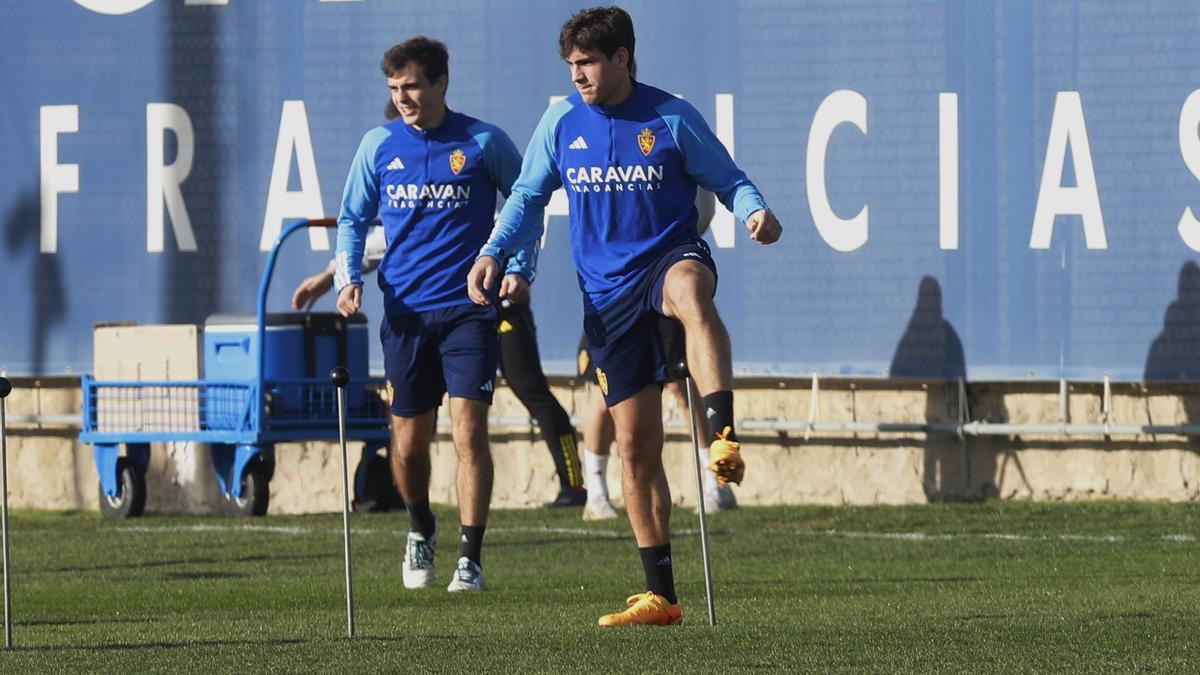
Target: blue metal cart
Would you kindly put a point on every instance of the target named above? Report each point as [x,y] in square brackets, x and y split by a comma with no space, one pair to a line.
[254,404]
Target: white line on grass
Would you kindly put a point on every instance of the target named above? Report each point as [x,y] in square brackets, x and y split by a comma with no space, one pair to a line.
[273,529]
[608,534]
[923,536]
[293,530]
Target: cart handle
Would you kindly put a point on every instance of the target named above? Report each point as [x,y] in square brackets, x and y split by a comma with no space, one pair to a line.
[264,287]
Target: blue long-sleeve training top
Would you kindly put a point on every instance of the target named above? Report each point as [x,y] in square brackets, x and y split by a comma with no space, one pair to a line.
[630,173]
[435,193]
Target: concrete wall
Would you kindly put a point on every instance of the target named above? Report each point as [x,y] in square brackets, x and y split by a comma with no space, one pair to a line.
[49,469]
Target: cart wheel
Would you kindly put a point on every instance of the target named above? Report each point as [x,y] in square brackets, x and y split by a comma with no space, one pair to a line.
[381,494]
[256,491]
[130,500]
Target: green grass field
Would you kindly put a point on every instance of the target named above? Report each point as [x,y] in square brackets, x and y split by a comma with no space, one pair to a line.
[960,587]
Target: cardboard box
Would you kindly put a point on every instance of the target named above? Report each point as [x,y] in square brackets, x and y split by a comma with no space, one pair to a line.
[132,353]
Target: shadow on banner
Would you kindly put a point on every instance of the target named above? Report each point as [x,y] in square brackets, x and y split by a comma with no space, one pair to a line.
[930,349]
[192,287]
[48,299]
[1175,353]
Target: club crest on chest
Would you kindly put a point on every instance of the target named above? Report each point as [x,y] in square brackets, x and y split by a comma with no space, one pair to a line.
[645,142]
[458,159]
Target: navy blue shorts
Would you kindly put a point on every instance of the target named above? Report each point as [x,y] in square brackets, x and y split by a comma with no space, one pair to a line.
[624,340]
[428,354]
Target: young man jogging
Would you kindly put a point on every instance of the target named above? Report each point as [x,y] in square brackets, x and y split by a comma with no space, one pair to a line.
[520,363]
[431,177]
[630,157]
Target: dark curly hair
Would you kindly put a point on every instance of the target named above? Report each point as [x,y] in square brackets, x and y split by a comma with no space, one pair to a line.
[604,29]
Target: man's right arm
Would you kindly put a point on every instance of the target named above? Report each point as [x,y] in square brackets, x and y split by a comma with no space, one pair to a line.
[539,178]
[360,205]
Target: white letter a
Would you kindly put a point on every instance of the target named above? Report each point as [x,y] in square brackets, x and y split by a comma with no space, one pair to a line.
[1067,128]
[305,203]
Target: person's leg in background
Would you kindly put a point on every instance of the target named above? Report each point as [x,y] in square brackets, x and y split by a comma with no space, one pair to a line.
[521,365]
[598,436]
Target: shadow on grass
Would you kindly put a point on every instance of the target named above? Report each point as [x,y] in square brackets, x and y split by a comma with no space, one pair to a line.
[76,622]
[189,644]
[202,576]
[853,586]
[138,565]
[122,646]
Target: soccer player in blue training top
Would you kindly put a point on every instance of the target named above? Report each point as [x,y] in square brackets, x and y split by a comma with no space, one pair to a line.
[520,363]
[431,176]
[630,157]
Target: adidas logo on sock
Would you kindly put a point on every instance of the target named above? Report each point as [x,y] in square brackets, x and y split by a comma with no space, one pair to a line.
[665,562]
[395,164]
[710,413]
[578,144]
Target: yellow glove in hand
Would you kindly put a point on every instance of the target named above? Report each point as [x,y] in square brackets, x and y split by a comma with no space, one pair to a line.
[724,459]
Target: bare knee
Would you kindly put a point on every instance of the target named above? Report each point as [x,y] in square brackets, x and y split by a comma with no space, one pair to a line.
[688,294]
[641,457]
[467,431]
[409,442]
[470,437]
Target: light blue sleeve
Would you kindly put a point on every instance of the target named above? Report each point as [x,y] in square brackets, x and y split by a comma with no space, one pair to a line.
[360,205]
[524,260]
[517,228]
[503,163]
[375,247]
[707,161]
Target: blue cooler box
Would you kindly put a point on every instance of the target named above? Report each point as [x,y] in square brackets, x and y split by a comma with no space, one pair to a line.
[299,345]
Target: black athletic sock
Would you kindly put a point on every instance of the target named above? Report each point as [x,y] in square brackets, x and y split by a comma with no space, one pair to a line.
[565,454]
[570,459]
[472,542]
[660,578]
[422,519]
[718,407]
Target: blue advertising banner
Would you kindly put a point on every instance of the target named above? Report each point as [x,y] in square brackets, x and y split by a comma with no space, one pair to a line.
[1000,190]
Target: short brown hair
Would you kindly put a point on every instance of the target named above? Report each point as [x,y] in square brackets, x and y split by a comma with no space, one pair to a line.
[431,54]
[605,29]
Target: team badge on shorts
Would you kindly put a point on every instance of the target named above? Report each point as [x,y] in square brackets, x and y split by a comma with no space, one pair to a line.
[458,159]
[603,380]
[646,142]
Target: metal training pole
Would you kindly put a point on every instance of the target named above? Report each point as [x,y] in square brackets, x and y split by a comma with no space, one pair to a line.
[708,585]
[340,377]
[5,389]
